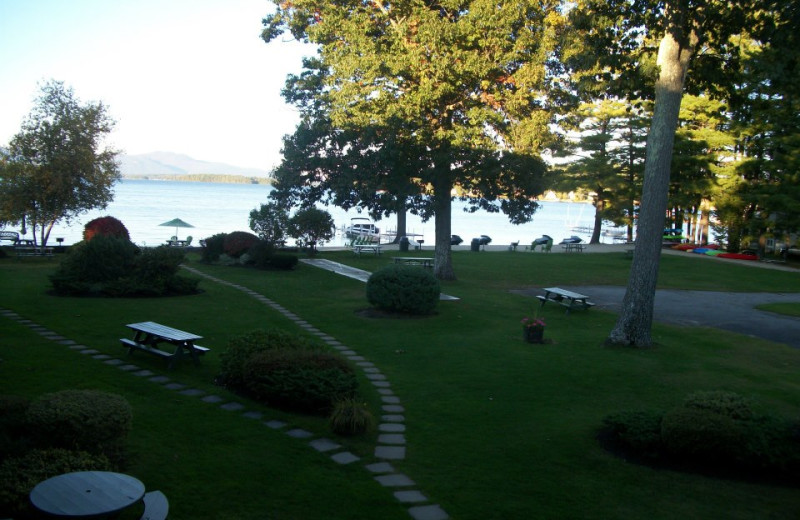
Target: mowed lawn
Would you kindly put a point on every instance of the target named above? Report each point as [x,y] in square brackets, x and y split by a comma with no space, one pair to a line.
[496,428]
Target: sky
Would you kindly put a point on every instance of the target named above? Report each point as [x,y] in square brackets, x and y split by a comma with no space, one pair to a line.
[184,76]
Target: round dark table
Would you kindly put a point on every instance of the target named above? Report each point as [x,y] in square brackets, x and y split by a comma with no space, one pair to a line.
[86,494]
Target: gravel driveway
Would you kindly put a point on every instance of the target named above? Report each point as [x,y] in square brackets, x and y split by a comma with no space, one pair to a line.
[723,310]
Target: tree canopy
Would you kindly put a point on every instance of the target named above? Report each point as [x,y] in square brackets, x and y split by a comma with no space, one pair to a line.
[462,82]
[56,167]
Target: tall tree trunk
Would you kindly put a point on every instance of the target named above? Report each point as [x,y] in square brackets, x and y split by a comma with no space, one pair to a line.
[442,188]
[401,221]
[598,222]
[635,321]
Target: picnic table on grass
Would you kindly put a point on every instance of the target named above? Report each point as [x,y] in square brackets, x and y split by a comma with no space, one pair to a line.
[570,300]
[573,247]
[148,335]
[87,494]
[408,260]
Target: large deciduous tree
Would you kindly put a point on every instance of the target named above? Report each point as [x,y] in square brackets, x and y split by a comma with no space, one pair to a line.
[461,81]
[56,167]
[632,41]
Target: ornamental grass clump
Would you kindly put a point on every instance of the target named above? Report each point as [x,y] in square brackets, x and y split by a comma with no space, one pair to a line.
[403,289]
[350,417]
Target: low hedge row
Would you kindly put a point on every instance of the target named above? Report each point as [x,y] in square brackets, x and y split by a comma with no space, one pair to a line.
[709,432]
[111,266]
[403,289]
[242,248]
[286,371]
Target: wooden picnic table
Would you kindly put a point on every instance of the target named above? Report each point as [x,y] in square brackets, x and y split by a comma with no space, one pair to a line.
[409,260]
[573,247]
[148,335]
[87,494]
[570,300]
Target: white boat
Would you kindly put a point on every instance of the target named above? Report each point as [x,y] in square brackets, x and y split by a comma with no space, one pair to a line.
[362,227]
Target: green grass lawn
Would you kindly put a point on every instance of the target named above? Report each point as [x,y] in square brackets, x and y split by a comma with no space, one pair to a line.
[496,428]
[789,309]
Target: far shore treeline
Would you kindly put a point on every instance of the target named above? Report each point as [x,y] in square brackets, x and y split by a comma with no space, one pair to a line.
[203,177]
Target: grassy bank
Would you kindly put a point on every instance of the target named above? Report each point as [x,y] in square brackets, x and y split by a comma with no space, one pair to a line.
[496,428]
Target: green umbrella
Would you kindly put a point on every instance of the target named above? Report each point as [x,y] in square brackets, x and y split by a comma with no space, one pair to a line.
[176,223]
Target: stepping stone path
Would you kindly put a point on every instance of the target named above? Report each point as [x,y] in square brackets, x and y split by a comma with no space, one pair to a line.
[391,440]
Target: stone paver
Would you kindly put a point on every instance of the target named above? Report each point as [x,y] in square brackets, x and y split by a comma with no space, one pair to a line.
[324,445]
[410,496]
[394,480]
[344,457]
[392,427]
[390,452]
[432,512]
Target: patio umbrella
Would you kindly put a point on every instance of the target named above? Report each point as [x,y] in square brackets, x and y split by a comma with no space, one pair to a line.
[176,223]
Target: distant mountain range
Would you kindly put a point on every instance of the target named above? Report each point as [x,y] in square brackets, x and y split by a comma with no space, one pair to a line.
[167,163]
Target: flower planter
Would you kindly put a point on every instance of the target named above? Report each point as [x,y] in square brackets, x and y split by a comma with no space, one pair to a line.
[533,334]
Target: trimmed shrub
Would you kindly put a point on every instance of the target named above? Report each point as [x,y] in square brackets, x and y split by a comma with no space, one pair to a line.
[244,346]
[213,247]
[20,474]
[283,261]
[299,380]
[87,420]
[13,433]
[398,288]
[116,267]
[726,403]
[260,254]
[238,243]
[636,432]
[105,226]
[88,264]
[702,436]
[350,417]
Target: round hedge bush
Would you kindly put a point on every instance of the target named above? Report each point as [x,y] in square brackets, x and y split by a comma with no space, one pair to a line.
[703,436]
[87,265]
[13,431]
[300,380]
[404,289]
[20,474]
[242,347]
[87,420]
[238,243]
[213,247]
[105,226]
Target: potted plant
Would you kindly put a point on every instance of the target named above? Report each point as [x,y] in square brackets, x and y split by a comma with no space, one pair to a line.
[533,329]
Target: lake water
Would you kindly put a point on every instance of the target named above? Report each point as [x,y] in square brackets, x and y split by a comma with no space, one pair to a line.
[221,208]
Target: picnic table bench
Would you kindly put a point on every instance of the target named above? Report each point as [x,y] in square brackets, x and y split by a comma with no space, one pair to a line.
[408,260]
[28,247]
[570,300]
[148,335]
[573,247]
[365,245]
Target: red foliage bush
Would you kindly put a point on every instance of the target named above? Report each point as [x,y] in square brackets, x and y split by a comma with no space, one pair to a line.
[106,226]
[238,243]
